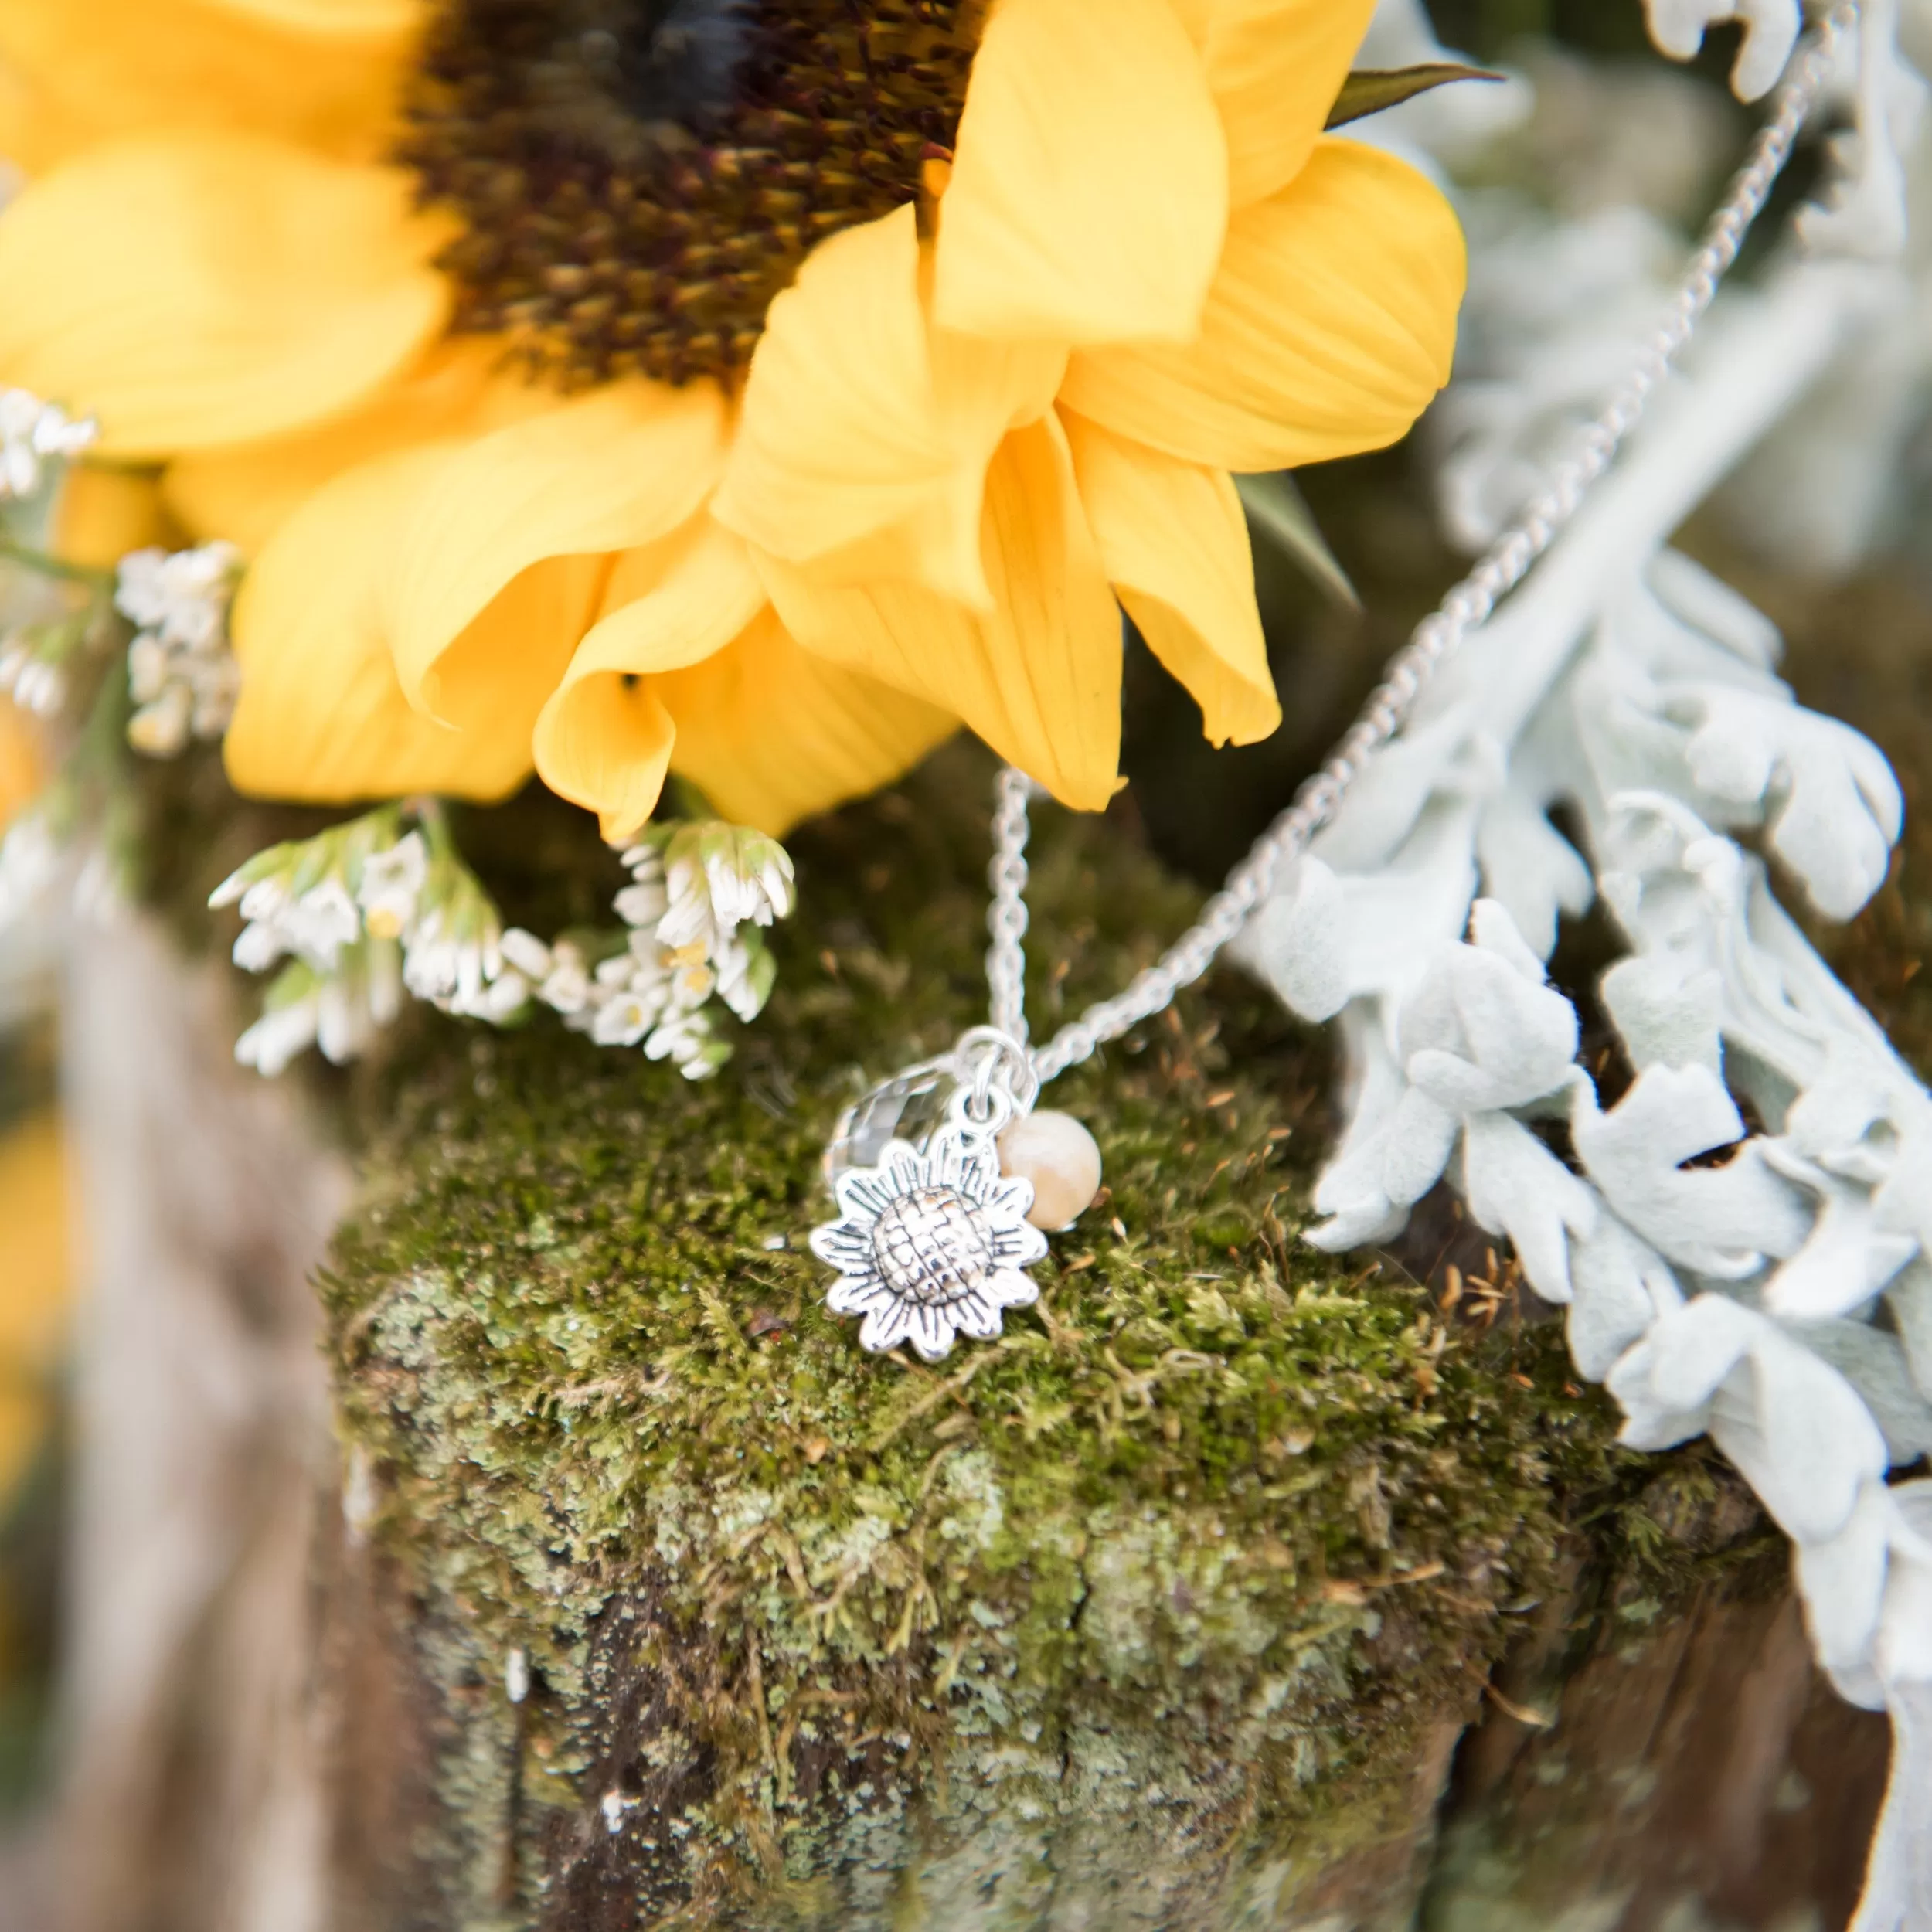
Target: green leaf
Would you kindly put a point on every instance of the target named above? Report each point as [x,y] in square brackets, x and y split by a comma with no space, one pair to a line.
[763,975]
[1369,90]
[1279,515]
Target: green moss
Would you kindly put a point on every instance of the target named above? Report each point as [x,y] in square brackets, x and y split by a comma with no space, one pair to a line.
[1146,1603]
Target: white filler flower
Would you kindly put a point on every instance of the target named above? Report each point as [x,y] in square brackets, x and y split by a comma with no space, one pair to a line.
[931,1244]
[32,434]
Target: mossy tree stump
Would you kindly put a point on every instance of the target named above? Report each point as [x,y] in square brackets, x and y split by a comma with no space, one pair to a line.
[1168,1610]
[1237,1587]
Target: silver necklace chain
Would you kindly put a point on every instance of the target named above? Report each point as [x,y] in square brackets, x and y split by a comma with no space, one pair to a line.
[1502,567]
[936,1228]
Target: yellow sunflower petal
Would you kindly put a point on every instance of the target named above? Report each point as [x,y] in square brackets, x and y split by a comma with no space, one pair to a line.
[105,513]
[603,473]
[1038,675]
[982,390]
[1275,67]
[500,670]
[1173,541]
[321,715]
[42,1267]
[1088,197]
[1331,324]
[837,432]
[604,740]
[771,733]
[860,419]
[245,494]
[75,72]
[198,289]
[328,19]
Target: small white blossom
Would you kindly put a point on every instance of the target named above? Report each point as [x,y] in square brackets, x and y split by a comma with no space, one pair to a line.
[445,970]
[36,682]
[624,1018]
[717,877]
[339,1012]
[179,597]
[526,952]
[41,689]
[147,661]
[257,946]
[162,727]
[690,918]
[314,925]
[503,999]
[692,979]
[368,912]
[686,1040]
[643,904]
[181,673]
[558,976]
[279,1036]
[453,943]
[323,920]
[344,1024]
[32,434]
[745,974]
[259,895]
[391,884]
[462,973]
[755,883]
[697,894]
[567,986]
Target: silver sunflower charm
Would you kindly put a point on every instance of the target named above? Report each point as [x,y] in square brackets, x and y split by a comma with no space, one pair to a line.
[931,1243]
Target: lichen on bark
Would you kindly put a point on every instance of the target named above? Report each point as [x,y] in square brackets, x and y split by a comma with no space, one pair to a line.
[1150,1609]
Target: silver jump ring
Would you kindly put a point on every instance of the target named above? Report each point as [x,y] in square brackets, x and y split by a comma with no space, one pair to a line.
[989,1112]
[992,1061]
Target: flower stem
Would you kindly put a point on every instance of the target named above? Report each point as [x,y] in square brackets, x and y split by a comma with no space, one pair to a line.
[428,813]
[53,566]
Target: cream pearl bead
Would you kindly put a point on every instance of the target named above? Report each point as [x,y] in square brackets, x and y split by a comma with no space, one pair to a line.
[1061,1159]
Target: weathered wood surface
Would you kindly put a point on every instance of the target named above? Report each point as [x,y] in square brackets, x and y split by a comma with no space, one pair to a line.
[1691,1772]
[192,1789]
[1698,1772]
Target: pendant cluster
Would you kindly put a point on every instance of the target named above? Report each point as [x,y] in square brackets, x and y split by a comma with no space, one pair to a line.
[931,1242]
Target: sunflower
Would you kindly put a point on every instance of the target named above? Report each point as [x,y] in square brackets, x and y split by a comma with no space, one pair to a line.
[747,388]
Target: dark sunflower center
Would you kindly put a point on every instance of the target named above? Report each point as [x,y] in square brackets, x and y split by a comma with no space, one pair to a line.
[638,178]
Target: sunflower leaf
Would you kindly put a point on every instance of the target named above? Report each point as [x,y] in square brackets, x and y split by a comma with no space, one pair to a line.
[1370,90]
[1279,515]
